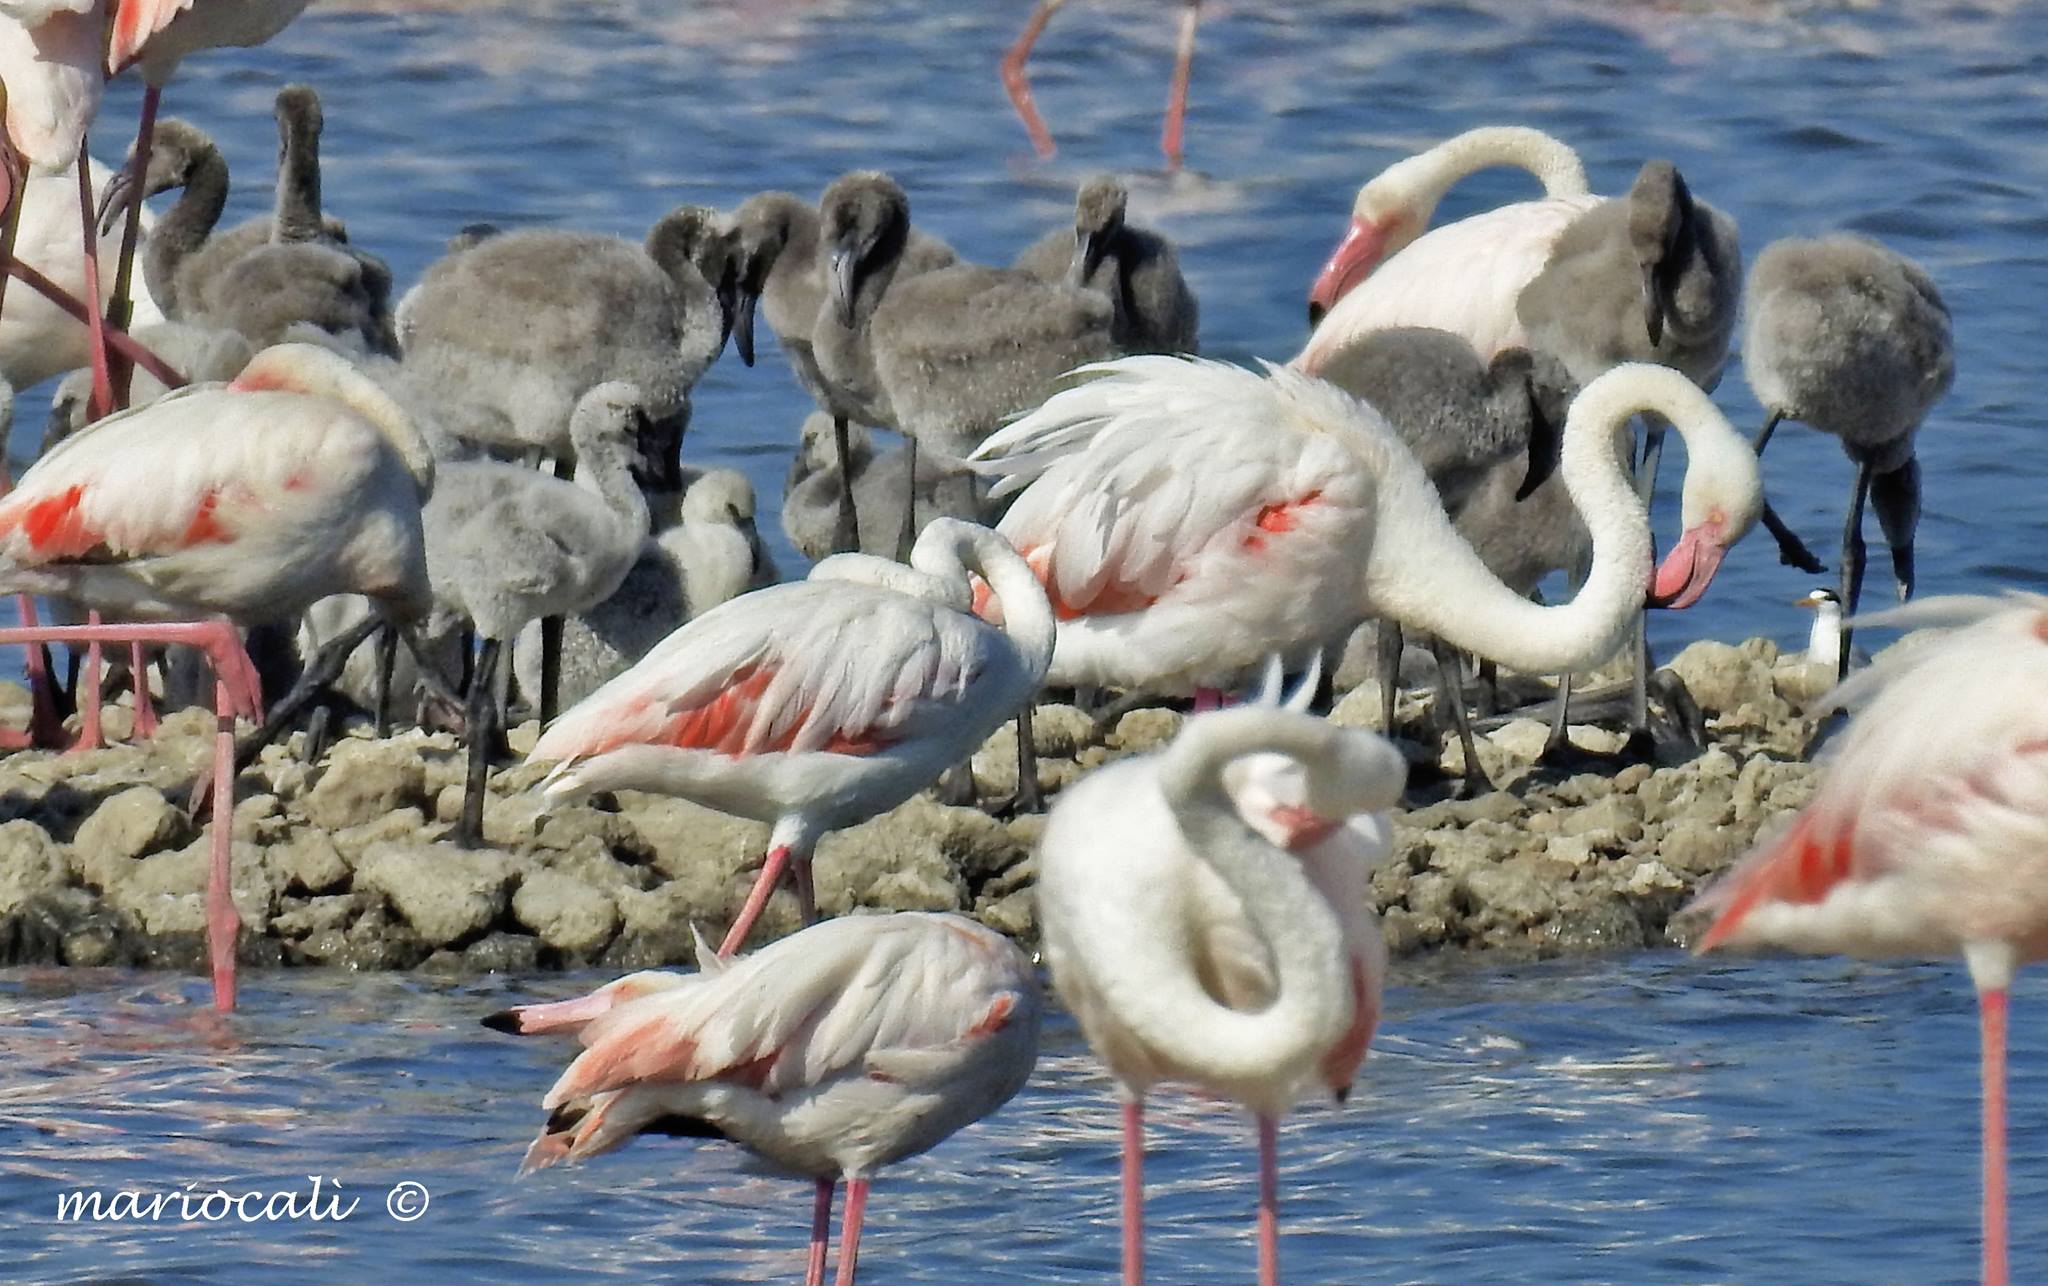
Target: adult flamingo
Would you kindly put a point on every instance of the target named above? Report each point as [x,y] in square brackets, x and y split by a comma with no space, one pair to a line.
[1018,83]
[1189,518]
[243,502]
[818,704]
[837,1050]
[1394,207]
[1927,835]
[1206,918]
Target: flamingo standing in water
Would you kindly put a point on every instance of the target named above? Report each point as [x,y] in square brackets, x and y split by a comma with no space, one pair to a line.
[244,503]
[1189,518]
[1207,919]
[1018,83]
[848,1046]
[818,704]
[1929,833]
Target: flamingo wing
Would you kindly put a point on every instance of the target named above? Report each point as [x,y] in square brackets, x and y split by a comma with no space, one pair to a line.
[135,21]
[1165,471]
[815,666]
[864,995]
[1463,277]
[49,61]
[1946,765]
[196,468]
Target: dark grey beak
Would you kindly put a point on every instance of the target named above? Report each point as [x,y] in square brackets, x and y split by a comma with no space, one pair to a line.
[728,309]
[1545,442]
[1089,248]
[1653,306]
[743,326]
[845,267]
[114,199]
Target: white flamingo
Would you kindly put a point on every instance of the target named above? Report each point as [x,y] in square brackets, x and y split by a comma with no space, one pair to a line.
[846,1047]
[1929,833]
[1189,518]
[818,704]
[1206,913]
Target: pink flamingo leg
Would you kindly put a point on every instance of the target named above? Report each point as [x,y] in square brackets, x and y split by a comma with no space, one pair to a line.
[102,379]
[1991,1013]
[44,728]
[849,1232]
[1019,85]
[757,897]
[1269,1201]
[223,923]
[119,340]
[1134,1192]
[89,736]
[120,309]
[1177,97]
[1207,699]
[821,1232]
[145,709]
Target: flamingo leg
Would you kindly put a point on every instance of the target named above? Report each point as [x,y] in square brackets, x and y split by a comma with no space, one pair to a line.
[117,339]
[1387,646]
[801,876]
[1018,84]
[479,726]
[45,726]
[1991,1013]
[1450,688]
[772,868]
[120,307]
[846,527]
[1133,1185]
[1792,551]
[849,1231]
[1177,96]
[821,1232]
[1269,1201]
[1207,699]
[145,709]
[387,660]
[906,536]
[89,735]
[102,402]
[223,923]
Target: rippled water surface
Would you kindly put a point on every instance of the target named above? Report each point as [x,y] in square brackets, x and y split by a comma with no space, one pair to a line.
[1649,1119]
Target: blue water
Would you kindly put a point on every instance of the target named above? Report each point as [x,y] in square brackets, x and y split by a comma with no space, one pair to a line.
[1645,1119]
[1648,1119]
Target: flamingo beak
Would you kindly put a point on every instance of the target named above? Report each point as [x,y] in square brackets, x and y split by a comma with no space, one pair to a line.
[743,326]
[1682,578]
[1301,828]
[1354,258]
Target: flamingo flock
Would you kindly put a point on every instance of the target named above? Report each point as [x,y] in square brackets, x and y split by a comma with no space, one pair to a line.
[1098,508]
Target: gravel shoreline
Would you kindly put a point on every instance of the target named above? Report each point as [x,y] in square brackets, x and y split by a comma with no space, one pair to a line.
[343,866]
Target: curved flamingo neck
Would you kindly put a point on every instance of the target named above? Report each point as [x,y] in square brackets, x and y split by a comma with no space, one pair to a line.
[185,227]
[1423,574]
[1026,612]
[1417,184]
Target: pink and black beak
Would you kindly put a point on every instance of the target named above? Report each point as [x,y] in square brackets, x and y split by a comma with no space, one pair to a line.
[1302,827]
[1682,578]
[1350,263]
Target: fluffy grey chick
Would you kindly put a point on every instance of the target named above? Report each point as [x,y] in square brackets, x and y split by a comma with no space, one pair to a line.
[810,502]
[202,354]
[1137,268]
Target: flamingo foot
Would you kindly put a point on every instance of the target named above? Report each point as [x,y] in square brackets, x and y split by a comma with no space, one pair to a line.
[146,722]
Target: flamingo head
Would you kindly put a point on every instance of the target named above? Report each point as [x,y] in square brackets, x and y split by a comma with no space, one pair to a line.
[1298,805]
[1682,578]
[1390,211]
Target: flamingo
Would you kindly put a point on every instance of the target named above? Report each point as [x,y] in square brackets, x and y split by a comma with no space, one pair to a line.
[1156,310]
[1394,207]
[1017,83]
[243,502]
[1929,832]
[846,1047]
[1853,339]
[817,704]
[1188,518]
[1206,917]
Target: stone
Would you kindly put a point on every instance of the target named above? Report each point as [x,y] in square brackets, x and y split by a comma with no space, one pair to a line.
[689,839]
[166,892]
[1513,894]
[407,825]
[1651,876]
[889,862]
[502,953]
[1603,922]
[1061,731]
[1698,847]
[1721,677]
[308,862]
[1014,914]
[1521,739]
[447,894]
[654,927]
[565,913]
[30,863]
[364,780]
[1142,730]
[304,917]
[133,823]
[65,926]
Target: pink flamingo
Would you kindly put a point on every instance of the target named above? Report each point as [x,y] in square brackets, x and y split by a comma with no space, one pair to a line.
[1017,82]
[247,501]
[846,1047]
[1929,834]
[1189,518]
[1206,914]
[818,704]
[1503,248]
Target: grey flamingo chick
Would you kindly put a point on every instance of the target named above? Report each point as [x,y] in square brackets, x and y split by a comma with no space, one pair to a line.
[507,544]
[202,354]
[817,485]
[779,270]
[1852,339]
[514,330]
[1136,267]
[956,351]
[710,554]
[1467,422]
